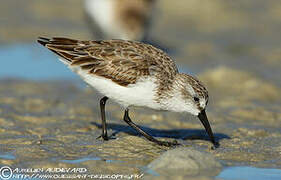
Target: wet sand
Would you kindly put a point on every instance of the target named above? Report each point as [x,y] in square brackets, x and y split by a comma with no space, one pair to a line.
[56,124]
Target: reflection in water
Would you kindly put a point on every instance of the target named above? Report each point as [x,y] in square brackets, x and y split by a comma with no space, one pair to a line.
[249,173]
[76,161]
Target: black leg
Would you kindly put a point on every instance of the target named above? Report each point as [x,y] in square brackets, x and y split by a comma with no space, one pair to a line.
[128,120]
[102,109]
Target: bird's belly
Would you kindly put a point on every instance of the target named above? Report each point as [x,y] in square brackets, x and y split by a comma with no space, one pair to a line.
[141,93]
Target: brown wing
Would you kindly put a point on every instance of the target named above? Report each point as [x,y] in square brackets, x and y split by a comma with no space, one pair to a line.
[121,61]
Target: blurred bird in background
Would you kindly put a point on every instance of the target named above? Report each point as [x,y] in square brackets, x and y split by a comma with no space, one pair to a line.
[119,19]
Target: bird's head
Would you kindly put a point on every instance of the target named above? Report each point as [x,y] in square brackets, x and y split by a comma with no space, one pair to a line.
[193,98]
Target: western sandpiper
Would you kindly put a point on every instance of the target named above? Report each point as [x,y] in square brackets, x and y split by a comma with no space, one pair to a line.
[133,74]
[119,19]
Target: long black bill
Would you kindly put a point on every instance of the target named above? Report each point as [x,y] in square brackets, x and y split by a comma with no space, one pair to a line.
[204,120]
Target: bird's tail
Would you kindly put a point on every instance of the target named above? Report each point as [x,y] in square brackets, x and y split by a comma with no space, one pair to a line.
[63,47]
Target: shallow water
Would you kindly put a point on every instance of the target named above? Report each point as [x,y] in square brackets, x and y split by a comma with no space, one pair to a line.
[9,156]
[249,173]
[33,62]
[75,161]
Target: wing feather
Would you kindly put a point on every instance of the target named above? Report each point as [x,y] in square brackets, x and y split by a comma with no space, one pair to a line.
[121,61]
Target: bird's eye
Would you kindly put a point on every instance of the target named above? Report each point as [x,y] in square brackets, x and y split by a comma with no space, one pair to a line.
[196,99]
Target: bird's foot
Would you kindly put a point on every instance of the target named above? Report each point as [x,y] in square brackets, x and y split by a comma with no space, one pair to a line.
[105,137]
[215,145]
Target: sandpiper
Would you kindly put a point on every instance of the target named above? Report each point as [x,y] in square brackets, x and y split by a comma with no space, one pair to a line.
[133,74]
[119,19]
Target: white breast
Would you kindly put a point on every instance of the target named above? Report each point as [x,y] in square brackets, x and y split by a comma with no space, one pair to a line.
[141,93]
